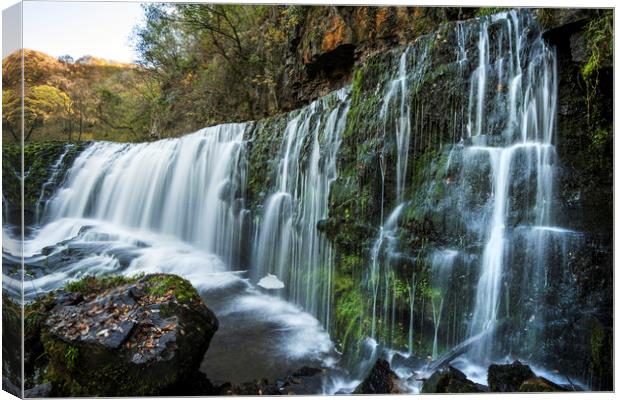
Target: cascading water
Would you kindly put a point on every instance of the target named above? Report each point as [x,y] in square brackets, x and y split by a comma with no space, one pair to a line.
[523,155]
[441,262]
[396,116]
[508,140]
[289,244]
[55,170]
[178,206]
[183,206]
[190,188]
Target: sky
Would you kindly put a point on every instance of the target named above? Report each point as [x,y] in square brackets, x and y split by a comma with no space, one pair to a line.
[100,29]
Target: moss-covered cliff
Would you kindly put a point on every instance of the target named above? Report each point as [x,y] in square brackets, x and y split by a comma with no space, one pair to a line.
[442,199]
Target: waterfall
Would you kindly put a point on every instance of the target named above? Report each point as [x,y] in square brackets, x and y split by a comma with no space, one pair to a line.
[522,155]
[397,120]
[465,244]
[441,265]
[289,244]
[190,188]
[502,172]
[54,170]
[399,90]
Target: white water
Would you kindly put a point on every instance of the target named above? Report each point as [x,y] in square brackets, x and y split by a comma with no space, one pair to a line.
[441,263]
[396,116]
[189,188]
[510,137]
[176,206]
[289,245]
[55,170]
[527,138]
[401,123]
[379,275]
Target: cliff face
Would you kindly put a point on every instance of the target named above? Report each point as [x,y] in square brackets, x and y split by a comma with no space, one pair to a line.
[446,198]
[330,41]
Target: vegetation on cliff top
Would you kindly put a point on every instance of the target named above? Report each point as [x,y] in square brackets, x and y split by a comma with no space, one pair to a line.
[202,64]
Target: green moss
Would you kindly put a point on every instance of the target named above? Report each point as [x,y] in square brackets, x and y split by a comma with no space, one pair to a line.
[160,285]
[356,85]
[599,35]
[485,11]
[426,290]
[601,136]
[92,284]
[155,285]
[401,289]
[71,355]
[545,17]
[349,311]
[349,262]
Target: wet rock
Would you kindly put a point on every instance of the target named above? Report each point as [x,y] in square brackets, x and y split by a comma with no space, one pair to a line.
[539,384]
[560,20]
[126,337]
[450,380]
[508,377]
[256,388]
[195,384]
[305,381]
[411,362]
[380,380]
[10,387]
[42,390]
[579,48]
[331,40]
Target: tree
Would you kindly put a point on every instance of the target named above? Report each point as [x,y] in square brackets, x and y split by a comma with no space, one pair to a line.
[209,63]
[66,59]
[83,109]
[42,103]
[11,113]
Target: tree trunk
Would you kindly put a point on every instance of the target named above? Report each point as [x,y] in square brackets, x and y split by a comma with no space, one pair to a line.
[70,128]
[81,127]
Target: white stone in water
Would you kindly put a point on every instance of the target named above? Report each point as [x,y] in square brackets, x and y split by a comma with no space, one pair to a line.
[271,281]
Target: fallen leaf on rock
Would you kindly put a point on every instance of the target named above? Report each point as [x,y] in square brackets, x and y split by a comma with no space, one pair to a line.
[170,326]
[104,333]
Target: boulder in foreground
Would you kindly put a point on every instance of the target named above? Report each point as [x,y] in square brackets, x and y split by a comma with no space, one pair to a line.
[125,337]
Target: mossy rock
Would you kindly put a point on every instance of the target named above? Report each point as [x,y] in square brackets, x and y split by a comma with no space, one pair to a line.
[11,346]
[449,380]
[539,384]
[380,380]
[123,336]
[508,377]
